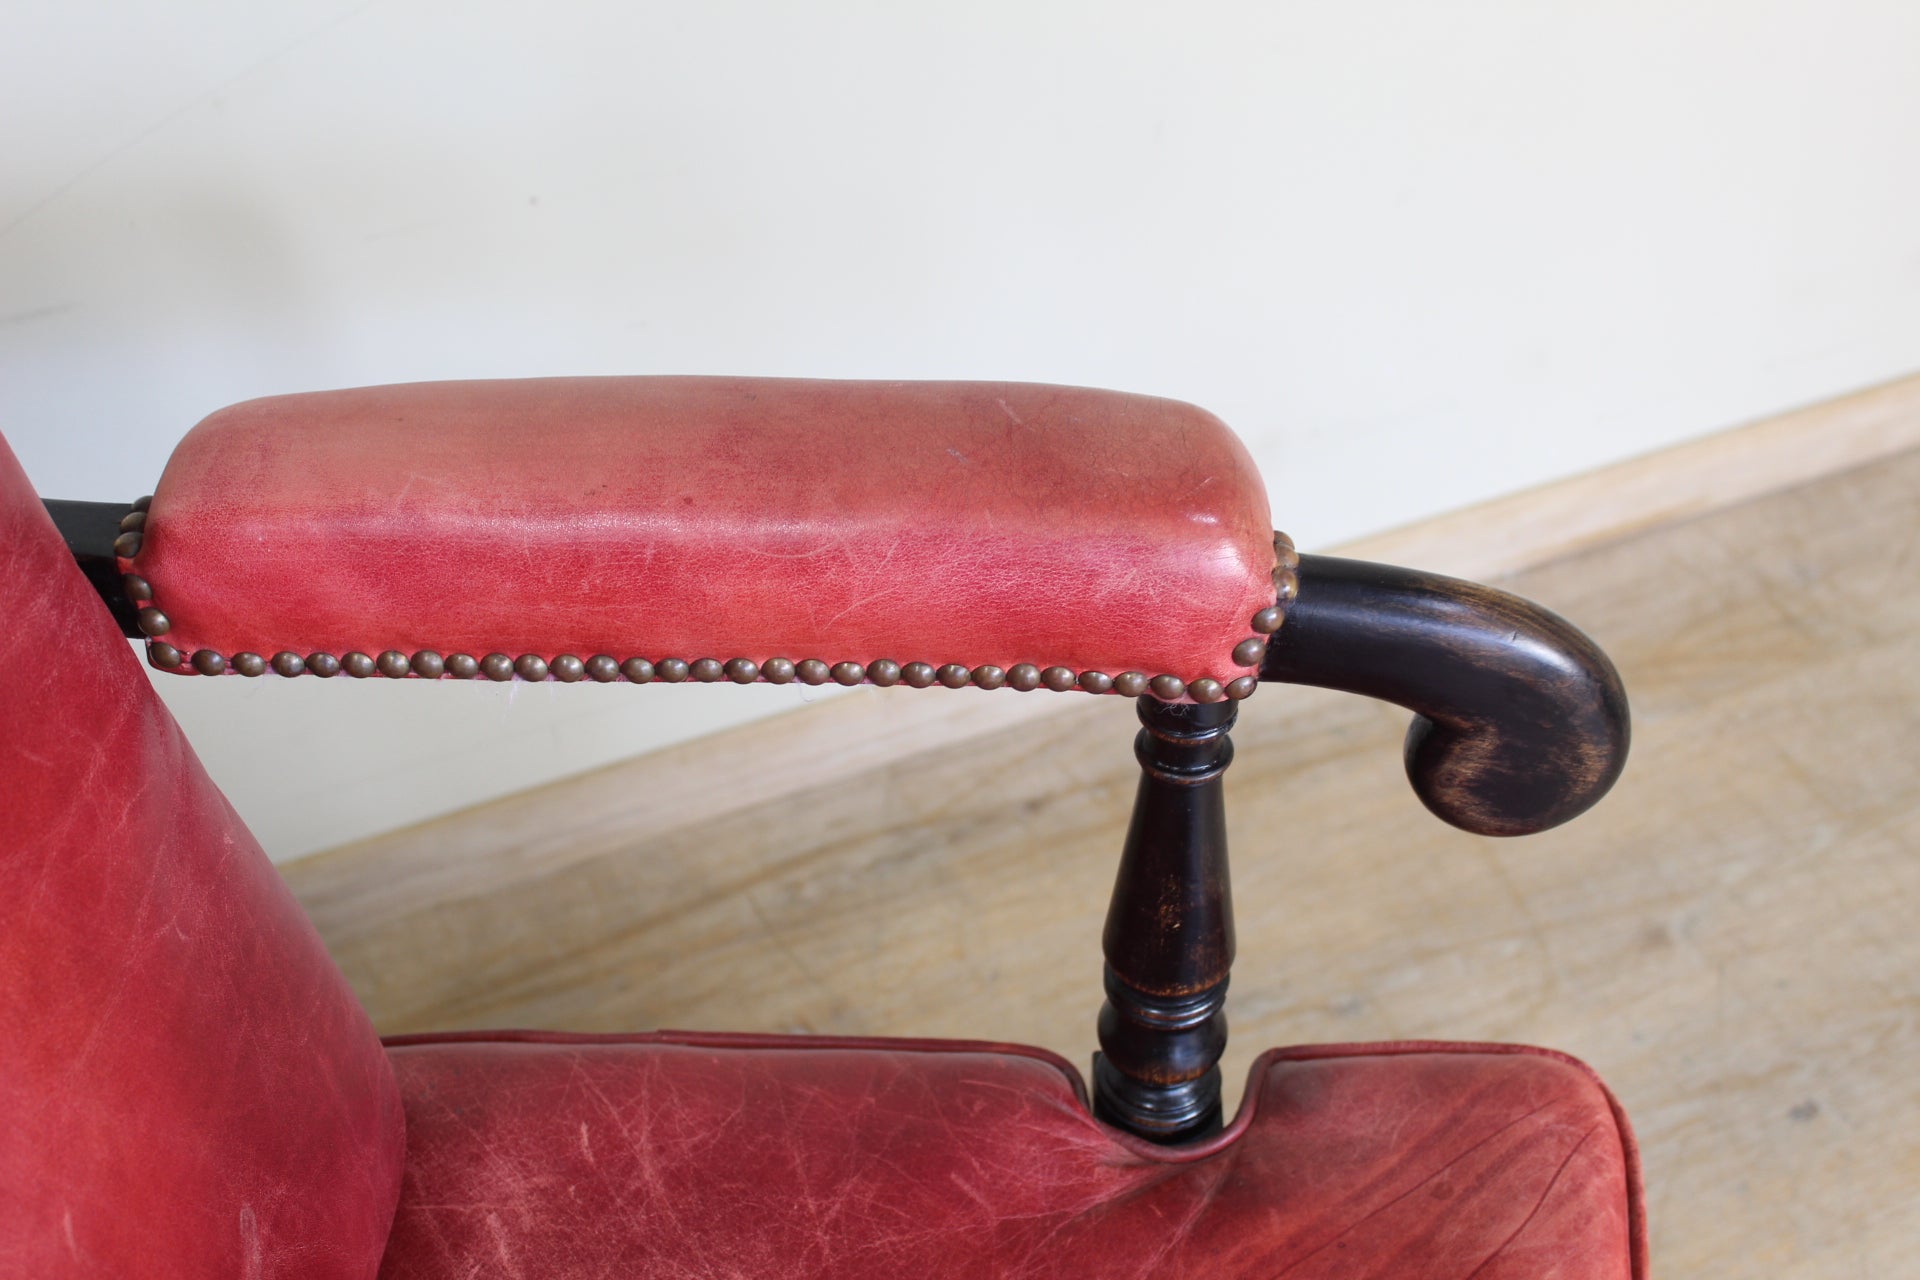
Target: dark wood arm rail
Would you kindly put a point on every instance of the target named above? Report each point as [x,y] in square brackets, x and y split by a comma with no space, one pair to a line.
[1520,721]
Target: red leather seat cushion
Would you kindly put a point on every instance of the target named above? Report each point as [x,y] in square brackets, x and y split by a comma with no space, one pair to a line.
[551,1156]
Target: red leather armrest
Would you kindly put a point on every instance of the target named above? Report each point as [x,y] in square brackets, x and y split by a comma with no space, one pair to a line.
[714,528]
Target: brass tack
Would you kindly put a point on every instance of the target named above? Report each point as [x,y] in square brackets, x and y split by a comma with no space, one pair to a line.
[1249,652]
[603,668]
[1286,585]
[1286,557]
[883,672]
[1242,687]
[497,666]
[163,655]
[358,665]
[777,670]
[672,670]
[1281,540]
[1095,681]
[324,665]
[428,665]
[1023,676]
[286,663]
[462,666]
[249,664]
[393,665]
[989,676]
[954,676]
[127,545]
[152,622]
[1268,620]
[742,670]
[137,587]
[813,671]
[917,675]
[1058,679]
[1206,689]
[530,667]
[208,663]
[706,670]
[1167,688]
[567,668]
[638,670]
[1130,684]
[133,521]
[142,503]
[848,673]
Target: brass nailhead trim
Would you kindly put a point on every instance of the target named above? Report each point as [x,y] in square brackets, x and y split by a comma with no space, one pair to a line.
[143,502]
[602,668]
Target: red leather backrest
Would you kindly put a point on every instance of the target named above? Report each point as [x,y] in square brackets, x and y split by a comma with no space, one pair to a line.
[188,1088]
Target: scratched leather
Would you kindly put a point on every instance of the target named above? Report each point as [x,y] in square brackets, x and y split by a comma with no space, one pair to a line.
[188,1089]
[971,523]
[693,1156]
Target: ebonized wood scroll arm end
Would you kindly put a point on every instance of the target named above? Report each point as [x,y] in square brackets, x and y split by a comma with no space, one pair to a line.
[1520,721]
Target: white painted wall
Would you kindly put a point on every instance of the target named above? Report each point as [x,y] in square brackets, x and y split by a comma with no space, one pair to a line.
[1418,254]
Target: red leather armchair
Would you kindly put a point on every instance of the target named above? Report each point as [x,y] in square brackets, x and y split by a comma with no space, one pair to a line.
[189,1089]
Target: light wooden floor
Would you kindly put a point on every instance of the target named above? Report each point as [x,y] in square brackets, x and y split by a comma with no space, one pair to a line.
[1732,938]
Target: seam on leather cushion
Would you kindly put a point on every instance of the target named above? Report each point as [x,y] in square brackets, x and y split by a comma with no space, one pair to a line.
[748,1040]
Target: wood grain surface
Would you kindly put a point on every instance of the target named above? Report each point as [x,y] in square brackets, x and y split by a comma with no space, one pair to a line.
[1732,937]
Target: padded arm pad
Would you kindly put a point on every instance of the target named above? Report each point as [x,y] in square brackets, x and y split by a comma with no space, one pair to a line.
[714,528]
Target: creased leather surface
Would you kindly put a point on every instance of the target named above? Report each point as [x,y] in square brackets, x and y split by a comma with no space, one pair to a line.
[725,1156]
[188,1089]
[970,523]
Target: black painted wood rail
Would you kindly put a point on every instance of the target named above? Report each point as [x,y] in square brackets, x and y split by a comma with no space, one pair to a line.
[1520,723]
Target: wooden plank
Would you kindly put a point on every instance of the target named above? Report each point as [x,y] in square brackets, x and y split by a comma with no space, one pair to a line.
[1728,937]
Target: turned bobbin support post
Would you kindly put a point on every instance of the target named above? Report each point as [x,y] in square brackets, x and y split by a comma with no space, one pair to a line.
[1169,933]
